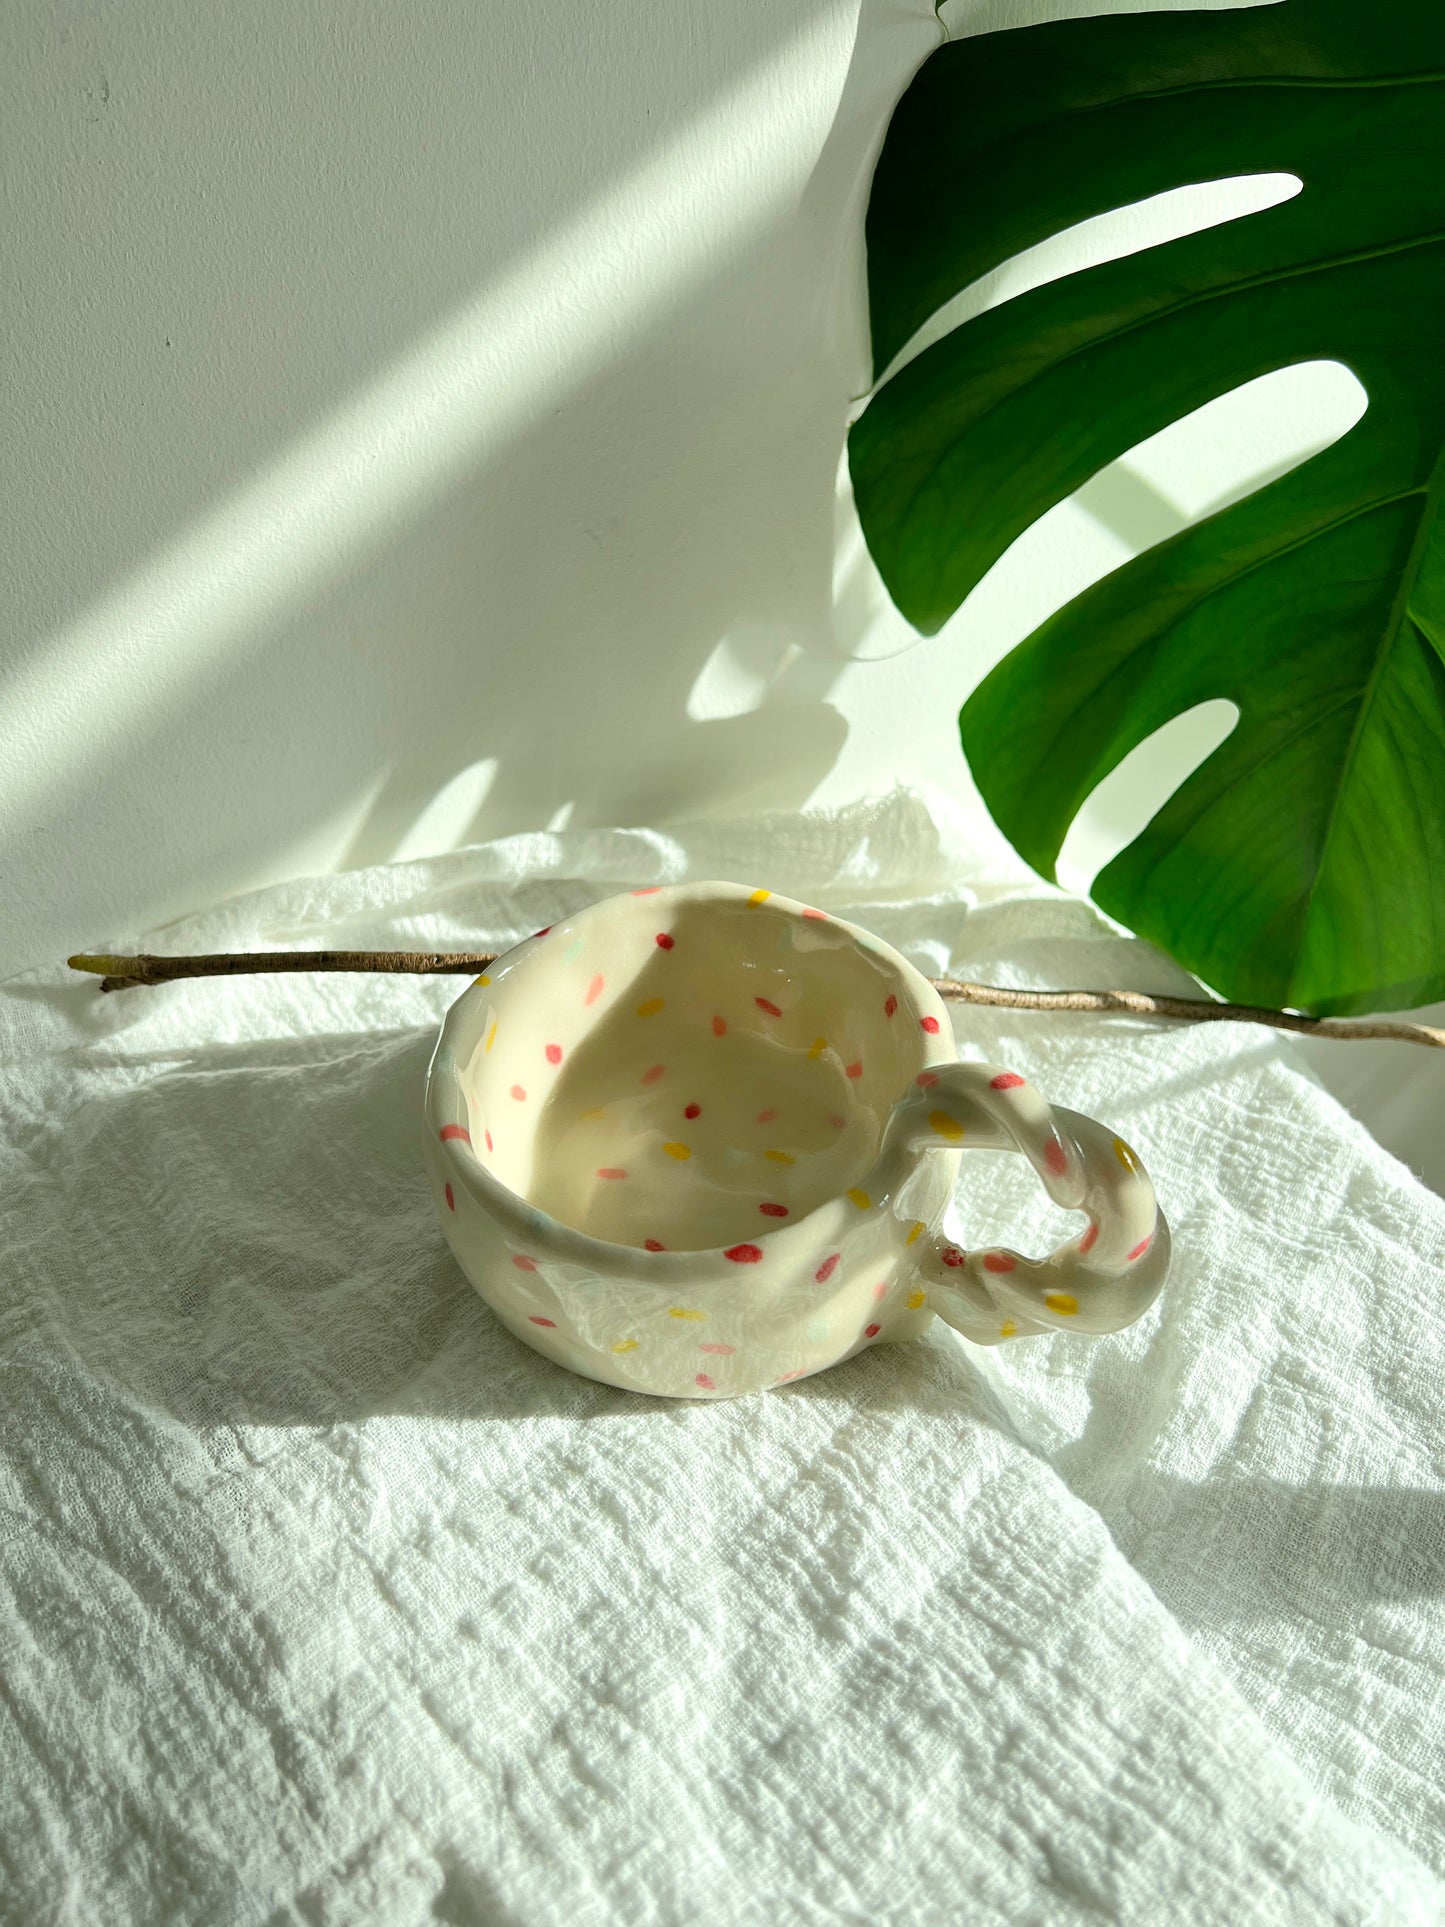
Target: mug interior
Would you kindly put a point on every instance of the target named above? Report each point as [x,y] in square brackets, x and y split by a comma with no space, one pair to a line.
[688,1069]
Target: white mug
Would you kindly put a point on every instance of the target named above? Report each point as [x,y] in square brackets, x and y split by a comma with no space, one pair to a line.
[698,1141]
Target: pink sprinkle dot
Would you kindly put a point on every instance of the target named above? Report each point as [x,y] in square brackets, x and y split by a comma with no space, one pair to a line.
[787,1375]
[743,1254]
[534,1320]
[651,1077]
[610,1171]
[652,1245]
[594,991]
[1005,1081]
[664,941]
[890,1006]
[1086,1243]
[705,1382]
[880,1291]
[1139,1250]
[766,1117]
[926,1080]
[827,1268]
[763,1003]
[952,1257]
[720,1351]
[998,1261]
[855,1069]
[554,1053]
[719,1026]
[818,916]
[693,1110]
[837,1120]
[450,1131]
[451,1201]
[773,1210]
[519,1094]
[930,1024]
[490,1145]
[650,891]
[523,1262]
[1056,1157]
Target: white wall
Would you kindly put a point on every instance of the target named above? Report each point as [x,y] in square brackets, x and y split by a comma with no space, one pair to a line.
[424,423]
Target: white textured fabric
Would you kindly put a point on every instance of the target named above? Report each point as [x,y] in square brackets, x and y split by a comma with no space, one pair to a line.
[323,1600]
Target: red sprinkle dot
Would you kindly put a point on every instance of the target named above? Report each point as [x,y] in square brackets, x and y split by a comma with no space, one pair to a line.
[1086,1243]
[650,891]
[827,1268]
[533,1319]
[764,1004]
[652,1245]
[952,1257]
[651,1077]
[773,1210]
[1056,1157]
[542,932]
[930,1024]
[449,1131]
[743,1254]
[594,991]
[523,1262]
[451,1201]
[997,1261]
[664,941]
[1005,1081]
[611,1171]
[554,1053]
[855,1069]
[519,1094]
[693,1110]
[766,1117]
[871,1331]
[489,1140]
[890,1006]
[1139,1250]
[926,1080]
[719,1026]
[705,1382]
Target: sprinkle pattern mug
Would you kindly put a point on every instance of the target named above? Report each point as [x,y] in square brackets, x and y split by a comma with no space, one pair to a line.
[698,1141]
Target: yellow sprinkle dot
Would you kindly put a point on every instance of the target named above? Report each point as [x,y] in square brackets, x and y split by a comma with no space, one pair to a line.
[780,1157]
[916,1233]
[760,896]
[681,1311]
[1063,1302]
[945,1125]
[650,1007]
[860,1198]
[492,1035]
[591,1117]
[678,1151]
[818,1046]
[915,1299]
[1007,1330]
[481,980]
[1125,1156]
[625,1345]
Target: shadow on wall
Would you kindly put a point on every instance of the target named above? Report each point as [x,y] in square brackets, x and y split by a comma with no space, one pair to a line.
[546,620]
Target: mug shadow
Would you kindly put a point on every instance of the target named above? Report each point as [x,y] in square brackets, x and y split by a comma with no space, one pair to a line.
[298,1274]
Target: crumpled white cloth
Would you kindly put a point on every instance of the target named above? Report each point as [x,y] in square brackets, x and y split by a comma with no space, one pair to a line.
[323,1600]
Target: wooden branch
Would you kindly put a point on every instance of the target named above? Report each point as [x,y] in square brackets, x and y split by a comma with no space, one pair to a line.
[120,973]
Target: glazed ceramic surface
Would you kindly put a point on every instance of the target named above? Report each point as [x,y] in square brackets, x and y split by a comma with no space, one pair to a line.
[699,1141]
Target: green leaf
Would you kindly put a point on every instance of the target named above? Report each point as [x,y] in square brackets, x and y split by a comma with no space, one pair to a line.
[1303,863]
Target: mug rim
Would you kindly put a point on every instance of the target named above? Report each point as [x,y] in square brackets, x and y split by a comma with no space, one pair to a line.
[445,1107]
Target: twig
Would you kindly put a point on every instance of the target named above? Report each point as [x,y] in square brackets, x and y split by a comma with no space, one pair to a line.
[120,973]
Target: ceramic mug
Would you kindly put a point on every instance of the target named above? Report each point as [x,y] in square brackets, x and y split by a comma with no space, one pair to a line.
[699,1141]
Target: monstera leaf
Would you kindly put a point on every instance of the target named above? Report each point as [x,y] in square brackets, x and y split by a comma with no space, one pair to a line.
[1303,863]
